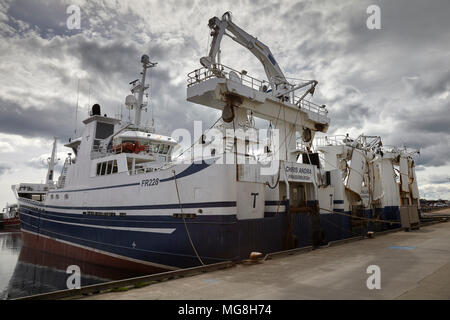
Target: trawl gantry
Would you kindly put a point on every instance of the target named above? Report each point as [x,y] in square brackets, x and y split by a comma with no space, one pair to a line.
[368,179]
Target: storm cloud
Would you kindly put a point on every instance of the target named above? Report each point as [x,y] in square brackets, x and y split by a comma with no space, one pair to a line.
[439,179]
[34,122]
[4,168]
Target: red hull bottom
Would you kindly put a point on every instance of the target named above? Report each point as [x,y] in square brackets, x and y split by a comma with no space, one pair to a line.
[10,223]
[91,260]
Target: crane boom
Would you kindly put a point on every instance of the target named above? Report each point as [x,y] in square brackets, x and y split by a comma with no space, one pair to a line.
[218,27]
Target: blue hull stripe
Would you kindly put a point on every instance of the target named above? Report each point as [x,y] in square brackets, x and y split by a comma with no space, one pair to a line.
[193,168]
[217,204]
[196,205]
[275,203]
[99,226]
[127,221]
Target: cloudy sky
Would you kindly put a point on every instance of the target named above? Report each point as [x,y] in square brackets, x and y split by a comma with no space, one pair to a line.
[393,82]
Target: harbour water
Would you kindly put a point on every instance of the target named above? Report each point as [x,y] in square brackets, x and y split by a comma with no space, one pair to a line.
[25,271]
[10,245]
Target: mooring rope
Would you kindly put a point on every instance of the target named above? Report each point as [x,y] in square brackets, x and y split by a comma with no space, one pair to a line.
[343,229]
[278,179]
[363,218]
[184,220]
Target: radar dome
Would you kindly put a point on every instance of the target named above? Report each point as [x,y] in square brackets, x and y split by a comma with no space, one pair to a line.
[96,110]
[130,101]
[145,59]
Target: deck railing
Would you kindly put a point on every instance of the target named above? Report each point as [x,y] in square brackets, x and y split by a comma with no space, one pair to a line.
[337,140]
[220,71]
[141,170]
[321,111]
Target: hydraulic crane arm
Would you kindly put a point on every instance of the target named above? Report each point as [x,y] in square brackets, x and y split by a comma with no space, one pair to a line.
[260,50]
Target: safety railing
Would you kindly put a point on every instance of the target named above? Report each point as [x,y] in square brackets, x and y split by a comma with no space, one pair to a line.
[336,140]
[220,71]
[33,188]
[321,111]
[159,166]
[99,151]
[141,170]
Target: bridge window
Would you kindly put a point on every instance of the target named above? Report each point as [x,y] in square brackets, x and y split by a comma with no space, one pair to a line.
[103,130]
[115,168]
[153,148]
[103,169]
[107,167]
[164,148]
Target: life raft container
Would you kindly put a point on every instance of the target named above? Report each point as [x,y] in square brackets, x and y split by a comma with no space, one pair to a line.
[129,147]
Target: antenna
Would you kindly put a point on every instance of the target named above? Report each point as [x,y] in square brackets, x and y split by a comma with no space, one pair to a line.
[51,164]
[148,102]
[153,119]
[76,110]
[141,87]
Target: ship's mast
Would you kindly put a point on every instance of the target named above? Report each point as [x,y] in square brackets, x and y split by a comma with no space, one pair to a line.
[141,87]
[51,165]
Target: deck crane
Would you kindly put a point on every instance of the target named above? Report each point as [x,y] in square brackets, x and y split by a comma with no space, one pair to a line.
[275,76]
[239,95]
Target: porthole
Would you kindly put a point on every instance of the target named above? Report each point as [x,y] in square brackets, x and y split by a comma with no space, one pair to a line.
[66,196]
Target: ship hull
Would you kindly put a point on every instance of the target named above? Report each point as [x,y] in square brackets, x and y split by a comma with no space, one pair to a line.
[161,243]
[160,240]
[87,254]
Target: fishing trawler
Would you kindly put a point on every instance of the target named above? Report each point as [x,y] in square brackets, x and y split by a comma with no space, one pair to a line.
[125,200]
[9,217]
